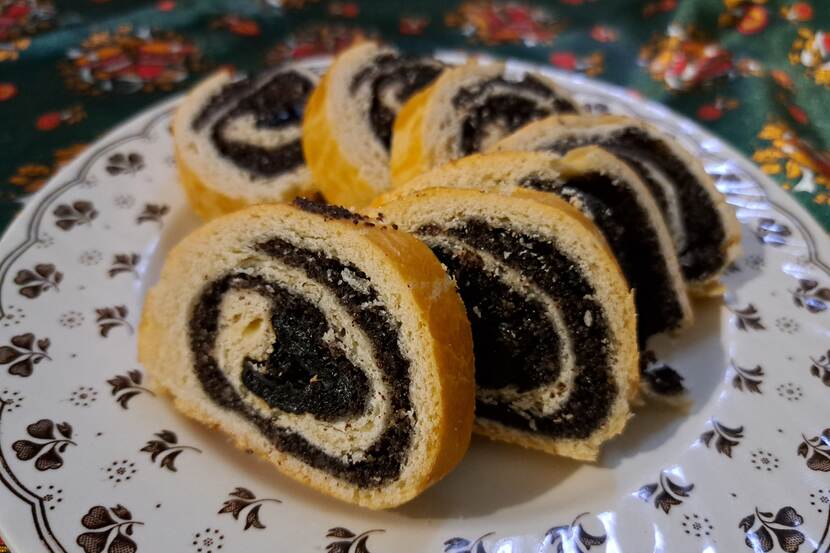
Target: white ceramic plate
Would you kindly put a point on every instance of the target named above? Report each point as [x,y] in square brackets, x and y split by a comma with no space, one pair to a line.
[746,467]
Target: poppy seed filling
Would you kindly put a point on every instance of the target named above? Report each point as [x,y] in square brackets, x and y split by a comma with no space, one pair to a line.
[392,78]
[539,261]
[614,208]
[275,104]
[305,375]
[508,104]
[704,232]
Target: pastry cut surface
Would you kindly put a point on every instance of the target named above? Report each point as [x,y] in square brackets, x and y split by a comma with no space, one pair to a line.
[330,344]
[704,229]
[237,140]
[348,124]
[553,320]
[606,191]
[466,110]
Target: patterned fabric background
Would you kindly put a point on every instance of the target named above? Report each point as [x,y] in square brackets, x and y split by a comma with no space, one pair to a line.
[757,72]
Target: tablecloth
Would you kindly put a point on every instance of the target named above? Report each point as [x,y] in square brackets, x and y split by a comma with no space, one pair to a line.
[756,72]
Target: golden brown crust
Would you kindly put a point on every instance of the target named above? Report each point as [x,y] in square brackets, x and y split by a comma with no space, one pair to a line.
[339,181]
[408,155]
[424,289]
[205,201]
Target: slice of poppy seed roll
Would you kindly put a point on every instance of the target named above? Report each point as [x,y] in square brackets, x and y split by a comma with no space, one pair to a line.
[611,195]
[466,110]
[553,320]
[348,122]
[704,228]
[237,140]
[332,345]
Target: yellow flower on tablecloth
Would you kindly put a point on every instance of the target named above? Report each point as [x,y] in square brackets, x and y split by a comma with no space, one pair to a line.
[10,51]
[771,168]
[32,176]
[803,167]
[811,49]
[768,155]
[748,17]
[793,170]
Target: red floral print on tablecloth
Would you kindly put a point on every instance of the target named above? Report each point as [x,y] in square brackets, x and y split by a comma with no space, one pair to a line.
[493,22]
[290,4]
[53,119]
[7,91]
[24,18]
[683,60]
[716,109]
[798,12]
[19,21]
[237,25]
[604,33]
[344,9]
[413,25]
[316,40]
[129,60]
[592,64]
[659,6]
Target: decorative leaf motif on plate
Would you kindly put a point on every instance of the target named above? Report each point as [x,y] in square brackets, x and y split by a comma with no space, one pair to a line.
[747,318]
[817,451]
[821,368]
[127,386]
[80,213]
[574,538]
[748,380]
[349,542]
[763,530]
[463,545]
[725,437]
[46,447]
[810,296]
[23,353]
[665,493]
[152,213]
[166,449]
[121,164]
[242,499]
[42,278]
[124,263]
[769,231]
[112,317]
[111,530]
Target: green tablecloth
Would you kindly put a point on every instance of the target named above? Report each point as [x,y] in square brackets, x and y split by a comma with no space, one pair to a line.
[756,72]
